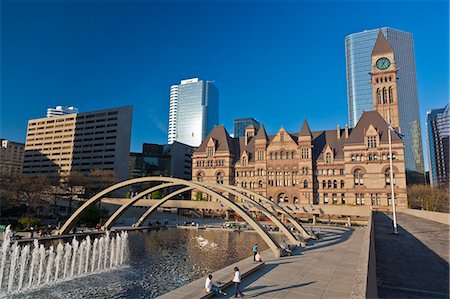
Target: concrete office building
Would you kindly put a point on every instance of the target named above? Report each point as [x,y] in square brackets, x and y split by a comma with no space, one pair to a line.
[240,124]
[11,157]
[170,160]
[358,49]
[61,110]
[79,142]
[438,133]
[193,112]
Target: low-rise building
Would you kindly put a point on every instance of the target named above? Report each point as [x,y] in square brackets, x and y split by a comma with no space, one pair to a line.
[11,157]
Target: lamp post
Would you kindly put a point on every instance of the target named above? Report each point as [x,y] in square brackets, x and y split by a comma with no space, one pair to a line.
[394,214]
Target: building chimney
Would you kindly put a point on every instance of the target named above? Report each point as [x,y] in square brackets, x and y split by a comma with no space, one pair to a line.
[338,132]
[346,131]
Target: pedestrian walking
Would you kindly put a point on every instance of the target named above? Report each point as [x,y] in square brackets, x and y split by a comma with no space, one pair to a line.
[237,283]
[255,251]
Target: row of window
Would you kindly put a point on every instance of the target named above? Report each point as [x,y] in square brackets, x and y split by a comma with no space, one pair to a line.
[371,157]
[330,171]
[382,95]
[210,163]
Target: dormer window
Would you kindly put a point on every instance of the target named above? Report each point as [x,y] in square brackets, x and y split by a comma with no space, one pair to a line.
[210,151]
[371,141]
[328,158]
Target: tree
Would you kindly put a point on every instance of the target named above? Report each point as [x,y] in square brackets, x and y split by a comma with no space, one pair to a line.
[31,190]
[98,180]
[428,198]
[156,194]
[199,196]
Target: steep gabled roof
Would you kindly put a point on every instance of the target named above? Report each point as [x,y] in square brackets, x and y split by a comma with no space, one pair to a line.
[377,121]
[382,46]
[305,131]
[223,139]
[261,133]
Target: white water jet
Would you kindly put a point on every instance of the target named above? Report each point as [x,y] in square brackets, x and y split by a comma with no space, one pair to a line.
[23,264]
[32,266]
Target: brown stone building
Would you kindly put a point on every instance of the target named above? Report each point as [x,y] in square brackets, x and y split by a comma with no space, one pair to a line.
[341,166]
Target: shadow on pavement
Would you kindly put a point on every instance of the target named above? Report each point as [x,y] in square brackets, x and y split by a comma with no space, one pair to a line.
[407,268]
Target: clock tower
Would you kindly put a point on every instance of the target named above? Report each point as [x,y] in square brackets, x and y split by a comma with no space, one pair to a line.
[384,81]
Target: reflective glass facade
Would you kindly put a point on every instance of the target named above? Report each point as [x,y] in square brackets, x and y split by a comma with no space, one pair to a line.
[358,50]
[240,124]
[197,112]
[438,134]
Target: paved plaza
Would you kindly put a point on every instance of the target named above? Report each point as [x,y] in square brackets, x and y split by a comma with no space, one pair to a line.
[414,263]
[325,269]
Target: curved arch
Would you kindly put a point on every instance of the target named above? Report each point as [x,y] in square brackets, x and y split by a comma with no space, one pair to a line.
[266,212]
[154,207]
[133,200]
[271,242]
[278,208]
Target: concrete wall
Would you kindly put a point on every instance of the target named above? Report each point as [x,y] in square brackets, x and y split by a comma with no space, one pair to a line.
[365,284]
[434,216]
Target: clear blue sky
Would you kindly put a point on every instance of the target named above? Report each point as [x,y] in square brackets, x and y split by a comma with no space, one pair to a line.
[278,62]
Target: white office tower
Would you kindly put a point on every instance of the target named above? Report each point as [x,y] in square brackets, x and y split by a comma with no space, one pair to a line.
[173,114]
[61,110]
[194,111]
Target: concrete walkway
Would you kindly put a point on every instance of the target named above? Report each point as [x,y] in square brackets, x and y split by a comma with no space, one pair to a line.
[414,263]
[325,269]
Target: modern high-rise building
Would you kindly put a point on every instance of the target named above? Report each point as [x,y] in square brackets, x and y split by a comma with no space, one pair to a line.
[79,142]
[61,110]
[194,111]
[11,157]
[438,133]
[358,48]
[174,160]
[240,124]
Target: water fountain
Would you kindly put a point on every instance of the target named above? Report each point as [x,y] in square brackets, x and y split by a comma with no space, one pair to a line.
[29,267]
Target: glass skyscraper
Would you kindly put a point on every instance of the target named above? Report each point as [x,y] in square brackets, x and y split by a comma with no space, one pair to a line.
[438,134]
[240,124]
[358,50]
[194,111]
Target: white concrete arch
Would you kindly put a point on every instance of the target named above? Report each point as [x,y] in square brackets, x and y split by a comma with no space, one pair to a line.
[271,242]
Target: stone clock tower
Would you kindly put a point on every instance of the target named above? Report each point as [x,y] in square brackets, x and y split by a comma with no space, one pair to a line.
[384,81]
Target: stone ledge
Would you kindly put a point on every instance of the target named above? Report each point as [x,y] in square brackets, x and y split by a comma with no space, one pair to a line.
[196,289]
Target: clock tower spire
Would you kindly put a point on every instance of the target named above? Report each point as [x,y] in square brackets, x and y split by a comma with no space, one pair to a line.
[384,81]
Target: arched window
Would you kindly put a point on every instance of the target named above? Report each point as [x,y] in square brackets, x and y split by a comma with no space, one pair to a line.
[391,97]
[293,155]
[342,184]
[328,158]
[378,95]
[358,177]
[387,177]
[324,184]
[370,157]
[219,178]
[384,95]
[306,170]
[305,184]
[282,155]
[377,80]
[276,155]
[200,176]
[271,156]
[260,184]
[244,161]
[335,184]
[329,183]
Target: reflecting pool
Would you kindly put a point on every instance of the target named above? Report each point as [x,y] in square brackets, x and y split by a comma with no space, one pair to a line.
[159,261]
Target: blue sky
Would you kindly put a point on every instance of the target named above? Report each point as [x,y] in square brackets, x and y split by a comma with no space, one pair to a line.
[276,61]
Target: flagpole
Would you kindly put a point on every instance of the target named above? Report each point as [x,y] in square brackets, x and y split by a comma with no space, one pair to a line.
[391,173]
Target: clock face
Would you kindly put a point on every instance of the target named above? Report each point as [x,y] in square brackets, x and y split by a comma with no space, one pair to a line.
[382,63]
